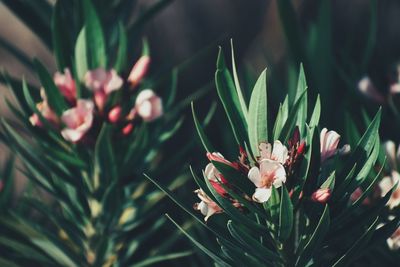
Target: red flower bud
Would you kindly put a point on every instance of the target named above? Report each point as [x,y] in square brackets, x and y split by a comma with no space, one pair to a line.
[115,114]
[321,195]
[301,149]
[127,129]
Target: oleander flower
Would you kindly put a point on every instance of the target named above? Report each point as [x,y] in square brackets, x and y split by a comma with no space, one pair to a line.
[329,141]
[139,71]
[45,110]
[78,120]
[269,173]
[392,155]
[102,83]
[66,85]
[115,114]
[148,105]
[321,195]
[386,184]
[207,206]
[213,175]
[367,88]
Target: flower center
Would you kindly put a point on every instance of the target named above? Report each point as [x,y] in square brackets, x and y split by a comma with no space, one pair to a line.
[267,179]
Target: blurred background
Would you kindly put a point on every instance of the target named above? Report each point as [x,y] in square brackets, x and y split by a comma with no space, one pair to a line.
[339,42]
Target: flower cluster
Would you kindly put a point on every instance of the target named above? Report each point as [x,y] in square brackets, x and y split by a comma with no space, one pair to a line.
[102,85]
[272,167]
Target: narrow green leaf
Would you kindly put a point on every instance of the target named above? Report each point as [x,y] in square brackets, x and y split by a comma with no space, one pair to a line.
[95,42]
[290,123]
[258,122]
[301,89]
[230,100]
[81,58]
[120,62]
[204,140]
[237,85]
[285,215]
[315,239]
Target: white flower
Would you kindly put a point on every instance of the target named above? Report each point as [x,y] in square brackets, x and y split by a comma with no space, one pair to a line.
[207,206]
[270,173]
[277,152]
[386,184]
[78,120]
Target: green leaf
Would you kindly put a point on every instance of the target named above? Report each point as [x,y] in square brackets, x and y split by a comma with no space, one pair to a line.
[204,140]
[290,123]
[301,89]
[315,240]
[95,43]
[258,122]
[358,246]
[120,62]
[213,256]
[81,58]
[105,164]
[242,101]
[54,96]
[230,100]
[252,245]
[330,182]
[281,118]
[316,113]
[285,215]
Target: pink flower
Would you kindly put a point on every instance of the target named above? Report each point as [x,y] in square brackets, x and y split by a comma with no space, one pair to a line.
[321,195]
[78,120]
[139,70]
[148,105]
[102,83]
[328,143]
[386,184]
[366,87]
[207,206]
[46,112]
[115,114]
[395,88]
[392,155]
[66,85]
[213,175]
[270,173]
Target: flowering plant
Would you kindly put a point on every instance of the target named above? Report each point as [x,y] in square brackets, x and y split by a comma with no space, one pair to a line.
[288,198]
[85,139]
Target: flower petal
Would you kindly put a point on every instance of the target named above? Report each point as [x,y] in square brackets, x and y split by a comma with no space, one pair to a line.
[255,176]
[262,194]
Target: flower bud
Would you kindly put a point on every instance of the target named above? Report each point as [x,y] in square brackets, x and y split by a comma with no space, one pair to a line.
[115,114]
[139,70]
[127,129]
[321,195]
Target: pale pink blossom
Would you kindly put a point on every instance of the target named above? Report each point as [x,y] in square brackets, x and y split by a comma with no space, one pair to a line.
[395,88]
[321,195]
[269,173]
[366,87]
[66,85]
[148,105]
[139,70]
[213,175]
[45,110]
[329,141]
[102,83]
[207,206]
[78,120]
[276,152]
[386,184]
[394,240]
[115,114]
